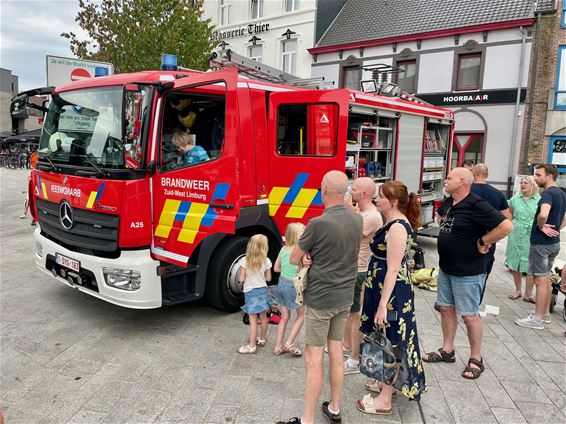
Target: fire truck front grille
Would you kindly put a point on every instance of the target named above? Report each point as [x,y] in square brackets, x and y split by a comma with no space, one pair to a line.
[91,232]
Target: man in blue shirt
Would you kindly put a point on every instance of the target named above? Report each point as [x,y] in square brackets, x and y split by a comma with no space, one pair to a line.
[545,242]
[496,199]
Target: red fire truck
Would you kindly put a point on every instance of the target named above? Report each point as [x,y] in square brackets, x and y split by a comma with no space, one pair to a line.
[130,215]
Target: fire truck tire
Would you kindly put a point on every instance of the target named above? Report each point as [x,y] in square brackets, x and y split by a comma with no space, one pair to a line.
[222,289]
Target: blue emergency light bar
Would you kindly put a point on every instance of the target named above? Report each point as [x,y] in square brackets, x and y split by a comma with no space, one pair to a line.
[100,71]
[168,62]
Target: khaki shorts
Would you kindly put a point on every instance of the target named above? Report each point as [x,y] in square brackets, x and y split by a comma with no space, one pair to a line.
[325,324]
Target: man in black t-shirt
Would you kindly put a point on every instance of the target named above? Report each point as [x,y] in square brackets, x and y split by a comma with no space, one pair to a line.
[468,228]
[545,242]
[495,198]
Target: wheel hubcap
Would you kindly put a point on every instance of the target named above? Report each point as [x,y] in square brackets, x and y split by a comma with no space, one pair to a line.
[234,286]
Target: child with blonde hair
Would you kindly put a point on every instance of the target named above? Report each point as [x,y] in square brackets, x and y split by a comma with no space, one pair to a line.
[255,272]
[286,293]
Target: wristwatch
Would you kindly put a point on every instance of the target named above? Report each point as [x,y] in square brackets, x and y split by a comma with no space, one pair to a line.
[480,241]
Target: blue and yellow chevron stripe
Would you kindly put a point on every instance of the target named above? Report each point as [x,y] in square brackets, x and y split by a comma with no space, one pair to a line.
[191,215]
[41,186]
[95,196]
[299,198]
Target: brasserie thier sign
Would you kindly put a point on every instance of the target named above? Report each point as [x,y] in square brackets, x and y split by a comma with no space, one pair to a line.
[242,31]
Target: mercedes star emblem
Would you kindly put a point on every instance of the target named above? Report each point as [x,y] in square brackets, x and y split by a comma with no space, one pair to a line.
[66,215]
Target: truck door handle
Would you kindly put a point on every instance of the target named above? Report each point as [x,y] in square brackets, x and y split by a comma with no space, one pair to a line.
[222,206]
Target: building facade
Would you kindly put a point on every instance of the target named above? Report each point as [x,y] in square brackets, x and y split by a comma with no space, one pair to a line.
[27,121]
[274,32]
[544,132]
[460,55]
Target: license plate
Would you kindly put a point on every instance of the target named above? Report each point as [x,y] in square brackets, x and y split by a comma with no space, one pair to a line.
[68,262]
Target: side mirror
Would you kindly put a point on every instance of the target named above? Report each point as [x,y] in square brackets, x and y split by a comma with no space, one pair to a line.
[18,104]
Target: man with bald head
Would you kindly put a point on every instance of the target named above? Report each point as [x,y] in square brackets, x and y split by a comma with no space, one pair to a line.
[469,226]
[360,201]
[332,241]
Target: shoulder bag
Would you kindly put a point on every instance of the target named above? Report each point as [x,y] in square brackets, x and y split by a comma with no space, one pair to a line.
[300,284]
[377,359]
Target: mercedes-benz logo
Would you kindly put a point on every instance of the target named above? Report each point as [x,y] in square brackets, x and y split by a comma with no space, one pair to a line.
[66,215]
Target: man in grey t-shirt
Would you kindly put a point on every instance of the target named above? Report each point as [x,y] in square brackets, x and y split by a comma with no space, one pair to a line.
[332,242]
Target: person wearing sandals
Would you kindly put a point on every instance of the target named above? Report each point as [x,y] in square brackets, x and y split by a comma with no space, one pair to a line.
[469,226]
[332,242]
[286,293]
[389,289]
[254,273]
[523,209]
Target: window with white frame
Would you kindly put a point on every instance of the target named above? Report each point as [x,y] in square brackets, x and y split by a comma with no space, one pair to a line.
[257,9]
[560,96]
[225,11]
[291,5]
[255,52]
[289,56]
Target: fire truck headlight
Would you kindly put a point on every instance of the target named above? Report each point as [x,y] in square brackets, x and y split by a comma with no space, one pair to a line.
[123,279]
[39,249]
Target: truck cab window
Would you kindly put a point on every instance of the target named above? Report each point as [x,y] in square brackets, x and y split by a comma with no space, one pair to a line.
[307,129]
[193,128]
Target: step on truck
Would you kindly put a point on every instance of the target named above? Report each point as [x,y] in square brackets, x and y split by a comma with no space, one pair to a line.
[127,216]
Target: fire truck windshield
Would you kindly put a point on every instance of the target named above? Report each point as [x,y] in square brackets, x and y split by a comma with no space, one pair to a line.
[95,128]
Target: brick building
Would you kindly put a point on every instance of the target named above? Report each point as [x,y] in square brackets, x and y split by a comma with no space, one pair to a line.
[544,129]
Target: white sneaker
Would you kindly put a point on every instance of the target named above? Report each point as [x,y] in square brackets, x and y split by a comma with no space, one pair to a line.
[349,369]
[24,216]
[530,322]
[547,319]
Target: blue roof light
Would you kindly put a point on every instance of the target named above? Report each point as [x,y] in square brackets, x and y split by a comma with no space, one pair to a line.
[101,71]
[168,62]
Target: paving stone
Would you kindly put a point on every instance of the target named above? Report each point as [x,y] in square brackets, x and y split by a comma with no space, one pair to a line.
[220,413]
[493,392]
[521,392]
[466,402]
[508,416]
[536,413]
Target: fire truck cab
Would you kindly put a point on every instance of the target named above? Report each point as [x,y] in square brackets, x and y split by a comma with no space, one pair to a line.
[149,185]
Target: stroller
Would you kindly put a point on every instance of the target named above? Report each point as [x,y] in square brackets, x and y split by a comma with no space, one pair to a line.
[555,282]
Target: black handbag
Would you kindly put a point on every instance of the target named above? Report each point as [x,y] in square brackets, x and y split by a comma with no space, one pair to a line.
[377,358]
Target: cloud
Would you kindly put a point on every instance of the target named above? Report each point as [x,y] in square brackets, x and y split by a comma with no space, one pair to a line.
[29,31]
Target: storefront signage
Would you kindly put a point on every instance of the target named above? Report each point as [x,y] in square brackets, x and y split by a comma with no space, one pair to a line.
[475,98]
[242,31]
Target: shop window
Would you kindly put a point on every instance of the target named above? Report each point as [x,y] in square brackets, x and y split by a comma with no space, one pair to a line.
[560,95]
[291,5]
[257,9]
[193,129]
[351,77]
[407,79]
[307,129]
[467,147]
[563,20]
[225,12]
[469,66]
[255,52]
[557,152]
[289,56]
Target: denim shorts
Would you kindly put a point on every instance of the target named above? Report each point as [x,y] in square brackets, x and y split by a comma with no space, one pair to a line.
[256,301]
[541,257]
[286,294]
[461,291]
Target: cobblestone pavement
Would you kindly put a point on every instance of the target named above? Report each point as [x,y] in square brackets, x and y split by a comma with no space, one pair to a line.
[69,358]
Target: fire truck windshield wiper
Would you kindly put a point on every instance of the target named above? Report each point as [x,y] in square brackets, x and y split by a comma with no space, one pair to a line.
[99,171]
[46,157]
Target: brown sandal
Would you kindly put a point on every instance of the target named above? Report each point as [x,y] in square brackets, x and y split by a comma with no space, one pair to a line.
[440,356]
[529,299]
[476,372]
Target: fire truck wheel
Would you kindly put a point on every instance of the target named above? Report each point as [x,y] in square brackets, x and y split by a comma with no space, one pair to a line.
[222,288]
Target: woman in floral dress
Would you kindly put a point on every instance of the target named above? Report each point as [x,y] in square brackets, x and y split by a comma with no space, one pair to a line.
[389,288]
[523,208]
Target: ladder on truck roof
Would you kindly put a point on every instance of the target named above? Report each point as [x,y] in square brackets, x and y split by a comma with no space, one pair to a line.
[226,58]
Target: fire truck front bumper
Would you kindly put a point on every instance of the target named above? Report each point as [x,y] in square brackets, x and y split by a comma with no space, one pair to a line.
[130,281]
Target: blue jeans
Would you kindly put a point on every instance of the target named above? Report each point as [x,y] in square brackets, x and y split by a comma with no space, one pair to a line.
[461,291]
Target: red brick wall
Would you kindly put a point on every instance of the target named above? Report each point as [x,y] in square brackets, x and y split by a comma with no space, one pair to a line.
[541,85]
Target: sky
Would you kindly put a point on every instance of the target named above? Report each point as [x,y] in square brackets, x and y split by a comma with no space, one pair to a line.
[31,30]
